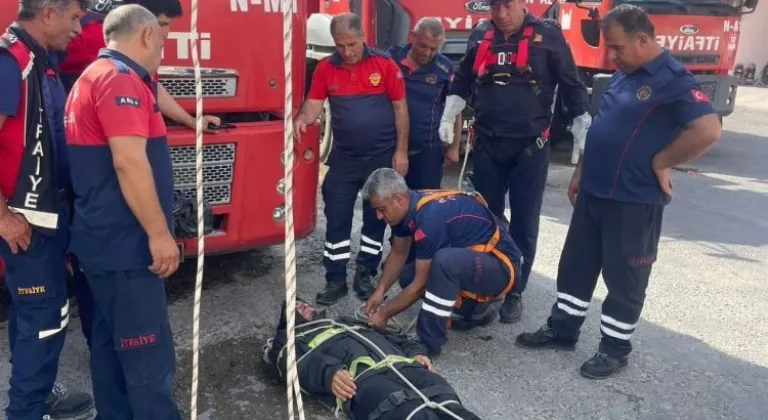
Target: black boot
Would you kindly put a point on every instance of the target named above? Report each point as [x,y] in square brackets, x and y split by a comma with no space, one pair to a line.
[602,366]
[544,338]
[62,404]
[333,291]
[478,319]
[363,283]
[512,309]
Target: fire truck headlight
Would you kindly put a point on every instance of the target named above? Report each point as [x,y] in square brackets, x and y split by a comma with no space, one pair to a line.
[309,155]
[281,186]
[278,214]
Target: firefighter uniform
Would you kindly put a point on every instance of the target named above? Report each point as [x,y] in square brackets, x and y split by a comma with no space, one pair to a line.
[35,277]
[474,261]
[323,349]
[617,219]
[132,351]
[364,139]
[426,89]
[512,84]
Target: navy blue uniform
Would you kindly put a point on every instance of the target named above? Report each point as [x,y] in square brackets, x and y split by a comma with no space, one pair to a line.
[364,139]
[426,89]
[443,231]
[39,309]
[510,116]
[616,224]
[132,352]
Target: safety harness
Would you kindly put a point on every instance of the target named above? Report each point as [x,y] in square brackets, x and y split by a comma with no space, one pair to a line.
[485,57]
[487,248]
[332,329]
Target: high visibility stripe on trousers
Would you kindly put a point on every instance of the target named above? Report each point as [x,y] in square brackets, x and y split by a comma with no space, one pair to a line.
[337,251]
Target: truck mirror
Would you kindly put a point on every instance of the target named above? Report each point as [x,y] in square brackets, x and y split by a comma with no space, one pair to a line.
[750,4]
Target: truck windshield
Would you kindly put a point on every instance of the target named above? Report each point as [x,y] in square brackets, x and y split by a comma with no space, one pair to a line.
[689,7]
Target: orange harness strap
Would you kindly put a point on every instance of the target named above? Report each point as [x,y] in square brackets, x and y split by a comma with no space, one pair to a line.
[488,248]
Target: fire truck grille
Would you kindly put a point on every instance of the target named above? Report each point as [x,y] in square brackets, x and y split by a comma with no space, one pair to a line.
[218,171]
[213,87]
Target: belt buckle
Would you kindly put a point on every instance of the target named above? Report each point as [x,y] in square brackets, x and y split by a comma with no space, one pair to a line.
[397,398]
[506,76]
[540,142]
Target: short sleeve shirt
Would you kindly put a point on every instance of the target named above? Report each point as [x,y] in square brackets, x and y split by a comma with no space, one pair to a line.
[114,97]
[640,114]
[360,97]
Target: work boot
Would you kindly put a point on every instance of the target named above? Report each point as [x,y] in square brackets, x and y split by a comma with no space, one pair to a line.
[363,283]
[602,366]
[478,319]
[62,404]
[544,338]
[512,309]
[333,291]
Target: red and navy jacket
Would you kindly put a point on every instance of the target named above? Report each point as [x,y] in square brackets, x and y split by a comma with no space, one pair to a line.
[426,89]
[458,221]
[114,97]
[360,96]
[498,74]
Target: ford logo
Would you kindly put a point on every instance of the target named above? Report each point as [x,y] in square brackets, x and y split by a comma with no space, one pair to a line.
[477,6]
[689,29]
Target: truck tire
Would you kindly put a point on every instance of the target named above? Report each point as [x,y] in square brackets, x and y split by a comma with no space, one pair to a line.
[326,139]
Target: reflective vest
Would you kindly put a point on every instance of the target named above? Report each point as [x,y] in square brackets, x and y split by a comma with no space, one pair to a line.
[487,248]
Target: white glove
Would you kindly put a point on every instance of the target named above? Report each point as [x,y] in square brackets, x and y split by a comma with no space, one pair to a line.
[454,104]
[579,129]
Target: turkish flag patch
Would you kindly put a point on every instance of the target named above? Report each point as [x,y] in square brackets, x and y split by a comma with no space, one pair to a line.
[699,96]
[419,235]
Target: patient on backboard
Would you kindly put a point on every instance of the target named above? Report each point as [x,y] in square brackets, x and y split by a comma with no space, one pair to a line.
[346,364]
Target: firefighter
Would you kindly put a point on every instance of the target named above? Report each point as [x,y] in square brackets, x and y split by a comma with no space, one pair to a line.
[465,257]
[81,52]
[655,106]
[34,207]
[122,231]
[344,371]
[366,93]
[511,75]
[427,75]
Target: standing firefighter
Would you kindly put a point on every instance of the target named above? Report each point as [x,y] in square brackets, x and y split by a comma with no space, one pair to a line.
[512,73]
[366,92]
[652,117]
[34,206]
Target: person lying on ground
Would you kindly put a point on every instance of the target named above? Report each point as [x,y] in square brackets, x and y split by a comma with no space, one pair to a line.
[339,367]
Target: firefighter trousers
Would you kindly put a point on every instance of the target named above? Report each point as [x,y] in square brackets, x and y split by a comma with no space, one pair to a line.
[133,359]
[345,177]
[38,318]
[453,270]
[384,396]
[621,239]
[498,169]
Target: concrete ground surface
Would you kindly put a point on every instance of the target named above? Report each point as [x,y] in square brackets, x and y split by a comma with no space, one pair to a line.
[701,350]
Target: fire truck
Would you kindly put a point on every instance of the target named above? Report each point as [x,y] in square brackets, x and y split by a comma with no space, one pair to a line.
[240,43]
[702,34]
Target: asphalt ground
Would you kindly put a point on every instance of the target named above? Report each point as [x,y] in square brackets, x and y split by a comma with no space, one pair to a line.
[701,349]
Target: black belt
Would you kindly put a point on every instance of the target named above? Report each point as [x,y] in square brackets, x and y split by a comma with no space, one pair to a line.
[530,150]
[398,398]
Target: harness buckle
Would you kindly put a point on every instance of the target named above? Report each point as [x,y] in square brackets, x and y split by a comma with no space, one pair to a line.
[540,142]
[397,398]
[501,79]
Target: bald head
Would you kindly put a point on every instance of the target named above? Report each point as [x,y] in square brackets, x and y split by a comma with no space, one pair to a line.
[347,23]
[134,31]
[127,21]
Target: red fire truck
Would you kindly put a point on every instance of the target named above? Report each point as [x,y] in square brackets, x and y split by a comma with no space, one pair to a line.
[702,34]
[240,43]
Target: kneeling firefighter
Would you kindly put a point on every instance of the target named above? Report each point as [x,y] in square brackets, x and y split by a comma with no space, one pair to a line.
[511,73]
[340,363]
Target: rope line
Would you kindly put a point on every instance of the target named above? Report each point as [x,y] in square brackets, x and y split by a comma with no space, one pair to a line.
[292,382]
[200,231]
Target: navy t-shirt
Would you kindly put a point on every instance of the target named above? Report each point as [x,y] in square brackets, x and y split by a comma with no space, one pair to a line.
[457,221]
[426,88]
[640,114]
[10,96]
[114,97]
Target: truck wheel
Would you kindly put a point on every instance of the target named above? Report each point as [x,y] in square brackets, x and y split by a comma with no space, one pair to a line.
[326,141]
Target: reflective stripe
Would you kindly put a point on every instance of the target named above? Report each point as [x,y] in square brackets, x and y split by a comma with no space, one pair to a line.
[616,323]
[341,256]
[439,312]
[615,334]
[439,300]
[370,241]
[337,245]
[576,301]
[570,311]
